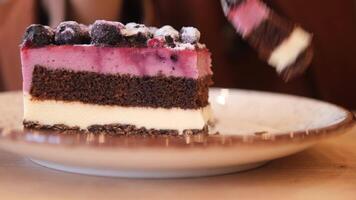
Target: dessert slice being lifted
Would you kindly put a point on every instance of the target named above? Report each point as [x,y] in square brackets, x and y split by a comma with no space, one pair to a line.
[115,78]
[285,45]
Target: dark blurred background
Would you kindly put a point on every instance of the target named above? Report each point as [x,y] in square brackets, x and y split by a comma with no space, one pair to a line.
[331,77]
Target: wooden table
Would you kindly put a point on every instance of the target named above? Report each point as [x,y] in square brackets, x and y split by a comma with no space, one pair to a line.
[327,171]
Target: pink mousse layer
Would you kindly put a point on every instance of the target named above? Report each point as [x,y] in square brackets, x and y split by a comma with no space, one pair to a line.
[107,60]
[248,16]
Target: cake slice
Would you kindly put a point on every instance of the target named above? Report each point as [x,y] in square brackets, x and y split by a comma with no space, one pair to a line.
[283,44]
[115,78]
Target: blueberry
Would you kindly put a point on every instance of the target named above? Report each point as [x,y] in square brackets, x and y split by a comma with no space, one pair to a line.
[106,33]
[138,40]
[136,34]
[70,32]
[169,34]
[132,29]
[38,35]
[167,31]
[190,35]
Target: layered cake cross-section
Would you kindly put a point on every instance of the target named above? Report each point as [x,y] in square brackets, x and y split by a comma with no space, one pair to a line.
[116,78]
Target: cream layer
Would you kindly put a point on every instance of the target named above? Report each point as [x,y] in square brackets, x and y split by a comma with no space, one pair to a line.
[50,112]
[289,50]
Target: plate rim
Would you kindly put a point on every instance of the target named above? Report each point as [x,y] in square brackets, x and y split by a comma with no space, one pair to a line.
[194,141]
[348,122]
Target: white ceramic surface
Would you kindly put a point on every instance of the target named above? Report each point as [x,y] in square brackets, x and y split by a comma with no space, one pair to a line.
[254,127]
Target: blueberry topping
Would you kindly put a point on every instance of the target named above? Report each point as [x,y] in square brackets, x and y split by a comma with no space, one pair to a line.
[136,34]
[38,35]
[106,33]
[170,35]
[134,29]
[138,40]
[167,31]
[189,35]
[109,33]
[71,32]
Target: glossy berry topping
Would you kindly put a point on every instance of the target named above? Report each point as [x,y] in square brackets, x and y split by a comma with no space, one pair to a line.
[136,34]
[106,33]
[71,32]
[167,32]
[38,35]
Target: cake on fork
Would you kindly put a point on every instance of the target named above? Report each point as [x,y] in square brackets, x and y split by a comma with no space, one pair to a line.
[282,43]
[115,78]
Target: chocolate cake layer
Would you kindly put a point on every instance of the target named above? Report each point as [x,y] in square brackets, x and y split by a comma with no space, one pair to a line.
[270,34]
[113,129]
[122,90]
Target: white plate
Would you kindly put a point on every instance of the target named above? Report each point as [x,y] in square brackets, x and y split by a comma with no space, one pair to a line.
[254,127]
